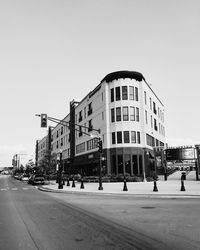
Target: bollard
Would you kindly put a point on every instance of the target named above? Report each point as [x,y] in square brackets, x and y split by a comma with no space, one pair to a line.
[73,183]
[82,185]
[68,183]
[155,189]
[125,186]
[182,185]
[60,185]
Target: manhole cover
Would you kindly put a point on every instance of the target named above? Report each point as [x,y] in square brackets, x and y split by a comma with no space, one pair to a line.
[148,207]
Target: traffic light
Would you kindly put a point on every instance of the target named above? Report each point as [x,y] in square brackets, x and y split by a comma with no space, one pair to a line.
[43,120]
[100,146]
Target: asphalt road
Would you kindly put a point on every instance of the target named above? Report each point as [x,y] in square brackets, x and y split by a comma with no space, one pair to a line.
[32,219]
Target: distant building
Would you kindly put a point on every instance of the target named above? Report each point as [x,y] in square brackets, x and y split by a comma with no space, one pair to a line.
[130,118]
[42,148]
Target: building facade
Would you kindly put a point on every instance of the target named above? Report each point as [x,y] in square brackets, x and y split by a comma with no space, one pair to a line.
[130,120]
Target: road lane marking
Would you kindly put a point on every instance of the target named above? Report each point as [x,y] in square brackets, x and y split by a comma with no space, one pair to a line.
[3,189]
[14,188]
[25,188]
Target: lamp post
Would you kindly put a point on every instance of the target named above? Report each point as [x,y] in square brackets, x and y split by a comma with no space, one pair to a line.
[198,161]
[143,165]
[60,172]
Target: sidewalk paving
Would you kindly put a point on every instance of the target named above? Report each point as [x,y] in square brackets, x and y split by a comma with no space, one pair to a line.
[171,187]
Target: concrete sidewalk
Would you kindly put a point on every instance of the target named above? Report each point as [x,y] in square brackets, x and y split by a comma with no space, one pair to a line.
[171,187]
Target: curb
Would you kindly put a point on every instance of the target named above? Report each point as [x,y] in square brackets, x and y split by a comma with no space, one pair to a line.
[149,195]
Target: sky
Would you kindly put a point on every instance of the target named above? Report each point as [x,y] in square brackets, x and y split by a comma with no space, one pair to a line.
[54,51]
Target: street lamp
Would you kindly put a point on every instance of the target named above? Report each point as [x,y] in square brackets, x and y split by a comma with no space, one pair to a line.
[198,161]
[143,165]
[59,170]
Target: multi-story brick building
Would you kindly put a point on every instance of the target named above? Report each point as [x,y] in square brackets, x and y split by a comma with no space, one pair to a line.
[130,118]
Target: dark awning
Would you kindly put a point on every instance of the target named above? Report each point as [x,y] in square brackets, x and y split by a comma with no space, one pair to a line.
[123,74]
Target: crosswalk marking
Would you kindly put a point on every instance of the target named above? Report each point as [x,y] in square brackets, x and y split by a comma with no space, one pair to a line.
[13,189]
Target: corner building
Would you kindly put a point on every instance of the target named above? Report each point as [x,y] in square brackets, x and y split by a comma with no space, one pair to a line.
[130,117]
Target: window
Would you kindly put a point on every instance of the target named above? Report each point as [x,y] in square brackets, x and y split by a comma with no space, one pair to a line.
[118,114]
[80,148]
[119,137]
[145,97]
[154,108]
[125,113]
[91,144]
[126,137]
[113,138]
[120,164]
[112,115]
[150,140]
[146,117]
[138,137]
[150,103]
[137,115]
[61,144]
[133,137]
[61,130]
[151,121]
[132,113]
[80,116]
[85,112]
[117,89]
[89,108]
[112,95]
[124,93]
[131,92]
[102,96]
[80,131]
[102,115]
[90,126]
[136,94]
[155,125]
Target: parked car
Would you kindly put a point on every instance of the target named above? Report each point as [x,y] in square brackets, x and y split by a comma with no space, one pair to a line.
[24,178]
[36,180]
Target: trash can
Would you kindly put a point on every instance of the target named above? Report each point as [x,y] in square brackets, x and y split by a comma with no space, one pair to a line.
[183,176]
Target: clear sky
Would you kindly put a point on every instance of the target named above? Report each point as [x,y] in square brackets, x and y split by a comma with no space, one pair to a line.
[54,51]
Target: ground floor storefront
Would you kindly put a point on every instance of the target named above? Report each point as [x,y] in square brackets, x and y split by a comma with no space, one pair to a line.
[116,161]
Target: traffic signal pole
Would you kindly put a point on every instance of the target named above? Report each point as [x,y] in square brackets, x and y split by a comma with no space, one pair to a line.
[44,119]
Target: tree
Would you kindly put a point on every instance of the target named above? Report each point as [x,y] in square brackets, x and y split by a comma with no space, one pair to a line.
[47,164]
[29,167]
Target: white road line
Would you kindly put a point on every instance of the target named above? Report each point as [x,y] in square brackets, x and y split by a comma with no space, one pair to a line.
[25,188]
[3,189]
[14,188]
